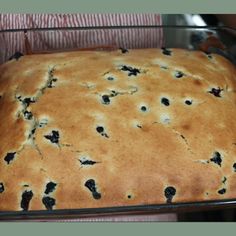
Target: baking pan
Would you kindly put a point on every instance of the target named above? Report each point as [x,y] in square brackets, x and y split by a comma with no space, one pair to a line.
[220,40]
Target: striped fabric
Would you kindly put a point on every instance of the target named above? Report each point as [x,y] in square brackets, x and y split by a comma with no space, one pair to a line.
[19,21]
[72,39]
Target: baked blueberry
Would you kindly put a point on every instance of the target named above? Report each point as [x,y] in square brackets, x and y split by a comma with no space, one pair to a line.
[9,157]
[164,67]
[169,193]
[25,200]
[48,202]
[87,162]
[143,108]
[100,129]
[179,74]
[216,158]
[113,93]
[91,185]
[166,51]
[216,92]
[234,167]
[28,115]
[50,84]
[123,50]
[27,101]
[131,70]
[54,137]
[105,99]
[50,187]
[16,56]
[224,180]
[222,191]
[2,188]
[110,78]
[208,55]
[165,101]
[96,195]
[188,102]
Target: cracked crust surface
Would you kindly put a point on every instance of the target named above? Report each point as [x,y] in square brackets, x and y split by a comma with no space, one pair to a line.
[95,124]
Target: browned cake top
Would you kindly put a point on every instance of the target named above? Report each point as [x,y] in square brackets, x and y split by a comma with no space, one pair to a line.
[96,129]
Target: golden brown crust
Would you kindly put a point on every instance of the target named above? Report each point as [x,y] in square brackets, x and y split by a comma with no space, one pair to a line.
[52,105]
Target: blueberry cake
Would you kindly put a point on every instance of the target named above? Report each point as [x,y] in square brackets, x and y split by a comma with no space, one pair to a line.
[92,129]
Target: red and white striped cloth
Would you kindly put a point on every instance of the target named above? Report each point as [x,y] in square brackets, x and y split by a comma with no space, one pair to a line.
[61,39]
[19,21]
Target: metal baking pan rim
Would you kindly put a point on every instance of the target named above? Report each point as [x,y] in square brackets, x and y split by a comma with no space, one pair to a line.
[122,27]
[118,210]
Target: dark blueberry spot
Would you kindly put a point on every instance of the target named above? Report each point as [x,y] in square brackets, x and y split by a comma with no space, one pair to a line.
[87,162]
[165,101]
[25,185]
[105,135]
[224,180]
[164,67]
[166,51]
[222,191]
[9,157]
[96,195]
[169,193]
[143,108]
[139,126]
[216,92]
[234,167]
[123,50]
[49,202]
[129,196]
[188,102]
[132,71]
[113,93]
[33,130]
[25,200]
[50,84]
[216,158]
[27,101]
[208,55]
[91,185]
[54,137]
[179,74]
[1,188]
[16,56]
[110,78]
[32,133]
[28,115]
[106,99]
[50,187]
[100,129]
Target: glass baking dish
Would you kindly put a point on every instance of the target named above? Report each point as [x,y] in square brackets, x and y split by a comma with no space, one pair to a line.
[220,40]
